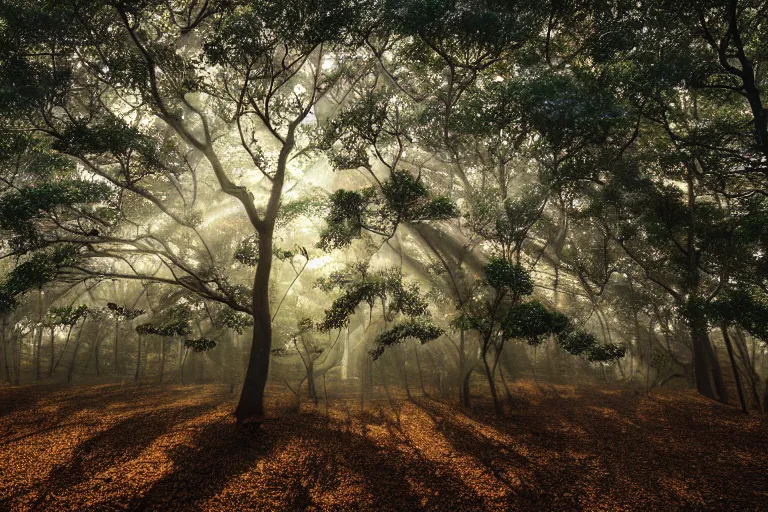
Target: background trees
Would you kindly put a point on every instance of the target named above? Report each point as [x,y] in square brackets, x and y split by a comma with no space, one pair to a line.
[608,158]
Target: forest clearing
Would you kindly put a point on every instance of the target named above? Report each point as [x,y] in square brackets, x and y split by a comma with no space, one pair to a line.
[560,447]
[383,255]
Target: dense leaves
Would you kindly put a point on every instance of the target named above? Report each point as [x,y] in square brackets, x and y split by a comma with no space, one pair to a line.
[402,198]
[200,345]
[508,277]
[416,329]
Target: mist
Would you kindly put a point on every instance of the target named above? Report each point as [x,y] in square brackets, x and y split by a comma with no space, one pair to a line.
[388,244]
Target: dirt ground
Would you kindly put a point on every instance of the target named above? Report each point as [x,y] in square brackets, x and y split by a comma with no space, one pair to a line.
[109,447]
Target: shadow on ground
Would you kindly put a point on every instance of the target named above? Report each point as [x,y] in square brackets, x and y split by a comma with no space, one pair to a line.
[558,448]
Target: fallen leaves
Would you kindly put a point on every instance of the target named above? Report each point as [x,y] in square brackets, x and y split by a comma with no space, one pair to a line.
[559,448]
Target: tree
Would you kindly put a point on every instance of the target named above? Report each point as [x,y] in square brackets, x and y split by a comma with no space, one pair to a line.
[400,303]
[119,313]
[106,75]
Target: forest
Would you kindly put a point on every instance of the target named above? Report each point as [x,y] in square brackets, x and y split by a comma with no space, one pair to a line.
[383,255]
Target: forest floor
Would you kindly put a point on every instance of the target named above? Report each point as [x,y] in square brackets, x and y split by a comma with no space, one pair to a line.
[109,447]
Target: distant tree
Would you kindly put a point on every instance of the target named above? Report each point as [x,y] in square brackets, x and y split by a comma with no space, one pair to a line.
[124,314]
[401,304]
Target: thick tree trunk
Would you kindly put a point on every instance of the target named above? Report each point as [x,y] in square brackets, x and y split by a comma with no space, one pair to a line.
[345,357]
[765,396]
[182,355]
[251,402]
[734,367]
[706,368]
[466,402]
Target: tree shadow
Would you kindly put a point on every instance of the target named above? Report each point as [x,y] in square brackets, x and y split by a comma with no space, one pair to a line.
[123,441]
[595,447]
[296,462]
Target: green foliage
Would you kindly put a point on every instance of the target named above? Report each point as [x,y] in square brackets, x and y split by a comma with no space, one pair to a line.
[68,316]
[418,329]
[123,312]
[40,269]
[746,308]
[603,353]
[7,303]
[255,30]
[359,287]
[508,277]
[350,135]
[21,210]
[175,321]
[231,319]
[403,198]
[505,223]
[577,342]
[464,322]
[200,345]
[345,218]
[247,251]
[407,199]
[291,211]
[533,322]
[113,136]
[365,291]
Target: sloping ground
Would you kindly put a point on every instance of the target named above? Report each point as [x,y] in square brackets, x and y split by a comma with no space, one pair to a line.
[561,448]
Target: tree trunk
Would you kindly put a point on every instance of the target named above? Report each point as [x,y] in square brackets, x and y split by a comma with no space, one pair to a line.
[504,382]
[404,373]
[463,373]
[39,333]
[162,358]
[251,403]
[706,368]
[96,357]
[345,357]
[71,369]
[418,367]
[492,387]
[765,396]
[749,363]
[181,366]
[38,349]
[16,358]
[3,341]
[117,345]
[138,360]
[734,367]
[466,402]
[63,351]
[311,387]
[53,351]
[182,354]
